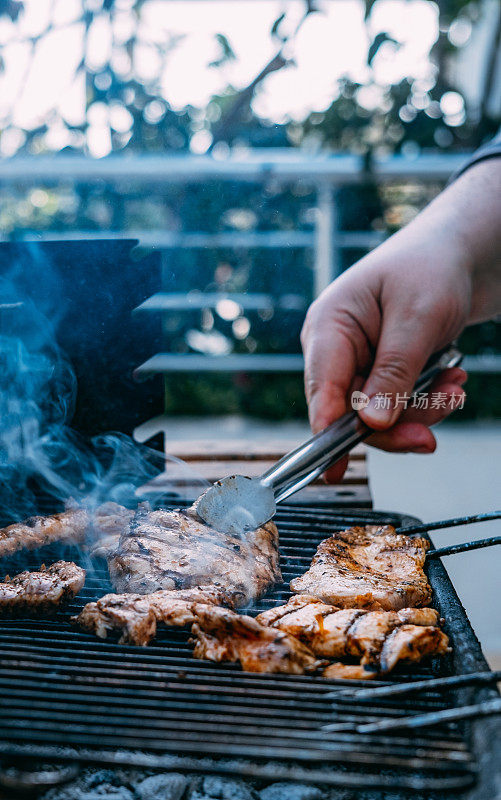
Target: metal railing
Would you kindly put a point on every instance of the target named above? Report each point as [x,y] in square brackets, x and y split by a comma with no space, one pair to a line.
[323,172]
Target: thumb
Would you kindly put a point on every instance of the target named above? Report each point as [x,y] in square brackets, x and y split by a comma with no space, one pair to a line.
[329,370]
[402,351]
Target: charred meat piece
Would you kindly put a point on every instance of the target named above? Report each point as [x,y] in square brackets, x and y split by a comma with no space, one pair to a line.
[223,635]
[371,567]
[322,627]
[137,615]
[175,550]
[42,590]
[370,636]
[412,643]
[68,526]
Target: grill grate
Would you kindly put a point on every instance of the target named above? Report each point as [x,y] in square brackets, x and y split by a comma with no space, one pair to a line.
[66,694]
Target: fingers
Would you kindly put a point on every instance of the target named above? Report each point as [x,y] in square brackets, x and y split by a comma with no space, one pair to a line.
[411,432]
[405,437]
[403,348]
[329,367]
[443,398]
[335,473]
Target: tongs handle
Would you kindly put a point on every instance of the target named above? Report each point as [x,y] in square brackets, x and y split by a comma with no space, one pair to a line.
[309,460]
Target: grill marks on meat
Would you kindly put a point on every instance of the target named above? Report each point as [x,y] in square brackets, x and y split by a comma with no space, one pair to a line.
[369,567]
[42,590]
[378,638]
[412,643]
[175,550]
[136,616]
[223,635]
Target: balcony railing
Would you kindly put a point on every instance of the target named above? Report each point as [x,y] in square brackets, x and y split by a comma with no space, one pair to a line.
[325,173]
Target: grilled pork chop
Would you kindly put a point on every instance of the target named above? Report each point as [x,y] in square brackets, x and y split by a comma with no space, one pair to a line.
[41,590]
[371,567]
[378,638]
[175,550]
[223,635]
[75,525]
[137,615]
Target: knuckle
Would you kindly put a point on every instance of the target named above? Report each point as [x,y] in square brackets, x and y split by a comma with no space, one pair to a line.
[311,386]
[393,369]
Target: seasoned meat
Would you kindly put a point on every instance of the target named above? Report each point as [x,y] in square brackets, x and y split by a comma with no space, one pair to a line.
[295,603]
[175,550]
[349,672]
[68,526]
[320,626]
[42,590]
[223,635]
[372,567]
[420,616]
[412,643]
[76,525]
[137,615]
[108,522]
[366,635]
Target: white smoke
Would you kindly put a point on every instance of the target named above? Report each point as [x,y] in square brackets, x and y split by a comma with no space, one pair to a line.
[39,452]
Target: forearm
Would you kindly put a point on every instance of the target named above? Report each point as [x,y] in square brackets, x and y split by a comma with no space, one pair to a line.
[467,217]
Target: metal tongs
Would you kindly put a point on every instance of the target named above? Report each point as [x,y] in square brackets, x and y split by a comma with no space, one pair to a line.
[237,503]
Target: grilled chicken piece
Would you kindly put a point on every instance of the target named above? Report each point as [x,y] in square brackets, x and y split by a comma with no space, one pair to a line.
[223,635]
[321,627]
[42,590]
[75,525]
[175,550]
[367,635]
[349,672]
[420,616]
[371,567]
[108,523]
[68,526]
[137,615]
[412,643]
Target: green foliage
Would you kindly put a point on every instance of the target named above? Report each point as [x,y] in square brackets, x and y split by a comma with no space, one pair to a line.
[11,9]
[226,51]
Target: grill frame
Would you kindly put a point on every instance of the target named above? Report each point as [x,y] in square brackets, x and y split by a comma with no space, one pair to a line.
[415,773]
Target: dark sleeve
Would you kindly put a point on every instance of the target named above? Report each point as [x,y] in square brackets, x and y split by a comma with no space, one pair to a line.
[489,150]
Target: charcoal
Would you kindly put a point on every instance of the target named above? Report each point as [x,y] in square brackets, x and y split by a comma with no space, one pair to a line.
[291,791]
[92,784]
[169,786]
[215,788]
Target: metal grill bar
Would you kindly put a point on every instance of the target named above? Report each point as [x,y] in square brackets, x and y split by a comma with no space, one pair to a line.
[426,720]
[424,686]
[63,691]
[425,527]
[463,547]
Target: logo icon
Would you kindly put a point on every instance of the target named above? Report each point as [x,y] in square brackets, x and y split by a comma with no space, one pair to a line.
[359,400]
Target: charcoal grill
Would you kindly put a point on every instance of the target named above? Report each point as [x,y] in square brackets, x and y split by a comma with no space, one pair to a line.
[67,696]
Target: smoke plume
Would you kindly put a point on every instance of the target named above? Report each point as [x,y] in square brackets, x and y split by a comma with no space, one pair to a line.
[40,455]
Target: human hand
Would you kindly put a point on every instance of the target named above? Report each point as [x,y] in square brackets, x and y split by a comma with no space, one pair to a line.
[375,327]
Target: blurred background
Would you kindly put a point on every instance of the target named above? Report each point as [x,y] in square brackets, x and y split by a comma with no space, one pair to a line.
[272,86]
[255,149]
